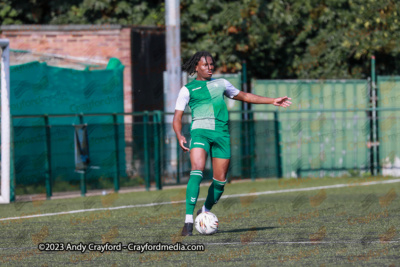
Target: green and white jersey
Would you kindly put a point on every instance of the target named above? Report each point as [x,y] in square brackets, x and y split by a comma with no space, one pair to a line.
[206,100]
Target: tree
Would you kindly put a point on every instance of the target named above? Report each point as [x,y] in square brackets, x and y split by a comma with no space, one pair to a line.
[261,33]
[306,39]
[343,37]
[125,12]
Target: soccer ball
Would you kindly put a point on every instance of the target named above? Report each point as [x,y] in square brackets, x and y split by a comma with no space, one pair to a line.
[206,223]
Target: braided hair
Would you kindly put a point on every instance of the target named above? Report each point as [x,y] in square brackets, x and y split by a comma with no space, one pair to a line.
[190,65]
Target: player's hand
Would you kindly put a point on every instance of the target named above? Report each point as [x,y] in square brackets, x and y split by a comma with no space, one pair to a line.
[282,102]
[182,140]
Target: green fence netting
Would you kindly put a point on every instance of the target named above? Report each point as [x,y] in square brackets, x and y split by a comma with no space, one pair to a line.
[388,92]
[316,143]
[38,89]
[319,135]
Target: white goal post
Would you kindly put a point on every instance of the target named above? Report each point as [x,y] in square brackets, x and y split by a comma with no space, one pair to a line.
[5,122]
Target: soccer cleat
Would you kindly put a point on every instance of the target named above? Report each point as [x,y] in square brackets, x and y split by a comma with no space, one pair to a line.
[187,229]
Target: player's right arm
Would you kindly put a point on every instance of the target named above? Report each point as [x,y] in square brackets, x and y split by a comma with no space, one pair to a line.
[181,102]
[177,124]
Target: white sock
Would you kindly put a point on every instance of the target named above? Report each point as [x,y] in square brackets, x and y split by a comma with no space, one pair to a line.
[189,218]
[204,209]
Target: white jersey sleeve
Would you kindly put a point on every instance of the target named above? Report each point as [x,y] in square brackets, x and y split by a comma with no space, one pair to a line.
[230,90]
[183,99]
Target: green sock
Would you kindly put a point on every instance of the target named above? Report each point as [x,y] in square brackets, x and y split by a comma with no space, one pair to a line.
[214,193]
[192,191]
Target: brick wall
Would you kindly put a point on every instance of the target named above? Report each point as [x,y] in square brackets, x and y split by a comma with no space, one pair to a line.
[90,43]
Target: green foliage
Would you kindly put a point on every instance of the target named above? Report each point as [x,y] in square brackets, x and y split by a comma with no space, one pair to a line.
[125,12]
[130,12]
[345,34]
[8,14]
[306,39]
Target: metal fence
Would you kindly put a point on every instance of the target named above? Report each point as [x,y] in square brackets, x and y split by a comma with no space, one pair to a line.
[388,128]
[334,128]
[269,144]
[326,130]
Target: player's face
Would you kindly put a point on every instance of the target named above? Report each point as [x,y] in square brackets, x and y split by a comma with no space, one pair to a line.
[205,68]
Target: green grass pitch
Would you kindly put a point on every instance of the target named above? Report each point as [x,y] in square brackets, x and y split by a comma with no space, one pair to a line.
[351,225]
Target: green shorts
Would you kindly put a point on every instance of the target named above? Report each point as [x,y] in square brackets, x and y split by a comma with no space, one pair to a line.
[216,144]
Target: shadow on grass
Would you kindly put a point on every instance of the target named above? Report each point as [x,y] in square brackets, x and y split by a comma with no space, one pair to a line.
[247,229]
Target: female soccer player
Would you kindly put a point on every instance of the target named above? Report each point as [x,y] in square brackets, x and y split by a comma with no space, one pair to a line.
[209,129]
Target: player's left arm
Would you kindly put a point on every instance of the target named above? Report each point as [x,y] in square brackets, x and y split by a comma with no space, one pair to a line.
[234,93]
[256,99]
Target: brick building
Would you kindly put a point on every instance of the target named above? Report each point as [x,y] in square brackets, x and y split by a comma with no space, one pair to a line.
[140,49]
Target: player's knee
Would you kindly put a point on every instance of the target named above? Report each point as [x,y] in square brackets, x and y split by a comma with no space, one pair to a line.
[197,167]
